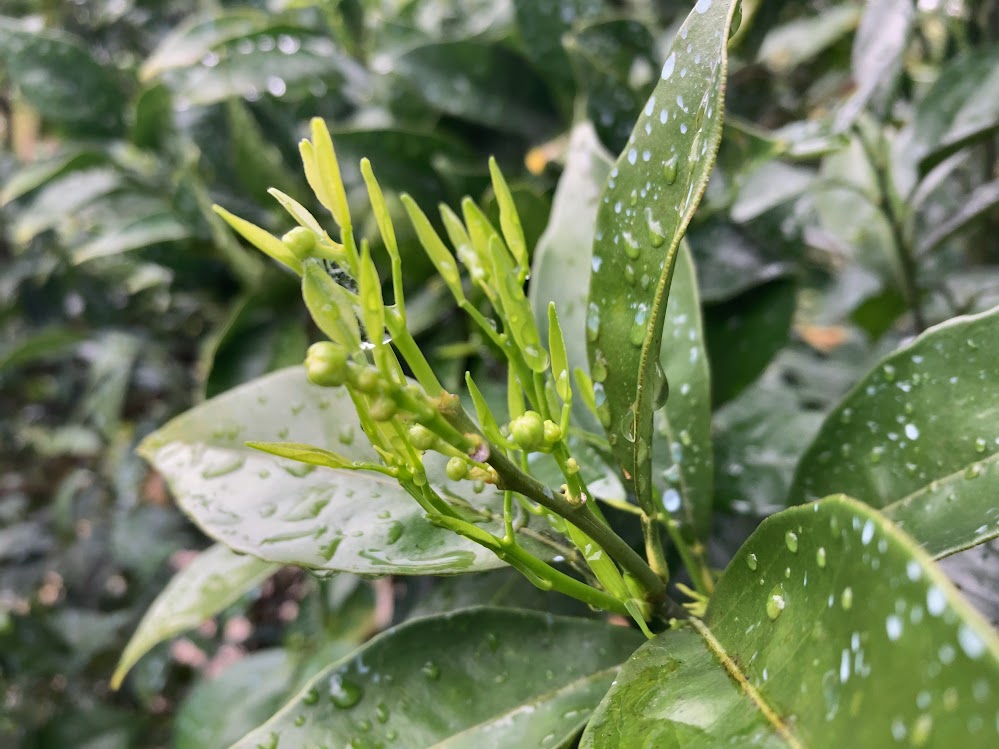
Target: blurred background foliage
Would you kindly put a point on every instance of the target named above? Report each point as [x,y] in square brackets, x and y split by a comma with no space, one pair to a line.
[853,205]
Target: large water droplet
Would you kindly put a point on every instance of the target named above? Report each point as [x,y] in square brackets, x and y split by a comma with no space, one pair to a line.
[592,322]
[752,562]
[980,445]
[820,556]
[846,600]
[776,602]
[791,541]
[658,386]
[657,234]
[669,170]
[431,670]
[344,693]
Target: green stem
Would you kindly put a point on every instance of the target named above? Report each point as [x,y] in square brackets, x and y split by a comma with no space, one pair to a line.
[407,346]
[896,223]
[699,573]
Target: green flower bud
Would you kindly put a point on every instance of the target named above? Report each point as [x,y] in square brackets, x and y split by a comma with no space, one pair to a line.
[300,241]
[365,380]
[421,437]
[382,408]
[457,468]
[326,364]
[528,431]
[571,466]
[553,432]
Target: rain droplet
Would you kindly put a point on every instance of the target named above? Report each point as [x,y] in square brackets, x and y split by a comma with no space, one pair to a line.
[669,170]
[311,697]
[820,557]
[776,602]
[431,670]
[791,540]
[980,445]
[344,694]
[752,562]
[846,600]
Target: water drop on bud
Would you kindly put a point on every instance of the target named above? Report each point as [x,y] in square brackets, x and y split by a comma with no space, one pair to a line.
[326,364]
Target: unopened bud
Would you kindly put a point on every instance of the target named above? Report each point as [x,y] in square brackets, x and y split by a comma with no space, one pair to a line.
[382,408]
[365,380]
[326,364]
[553,432]
[421,437]
[300,241]
[457,468]
[528,431]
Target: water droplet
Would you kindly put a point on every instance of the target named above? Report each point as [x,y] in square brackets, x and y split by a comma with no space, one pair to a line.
[668,66]
[791,540]
[912,431]
[598,371]
[344,693]
[592,322]
[669,170]
[657,234]
[299,721]
[980,445]
[658,386]
[820,557]
[846,600]
[671,500]
[381,712]
[270,743]
[631,247]
[311,697]
[752,562]
[431,670]
[394,532]
[889,372]
[776,602]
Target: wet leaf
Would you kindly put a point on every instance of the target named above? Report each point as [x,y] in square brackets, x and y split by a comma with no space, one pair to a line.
[921,429]
[977,204]
[411,685]
[649,200]
[209,584]
[789,45]
[288,512]
[136,234]
[484,83]
[729,262]
[41,172]
[828,628]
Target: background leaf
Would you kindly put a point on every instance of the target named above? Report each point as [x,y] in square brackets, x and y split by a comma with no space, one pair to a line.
[650,197]
[292,513]
[545,674]
[917,428]
[800,640]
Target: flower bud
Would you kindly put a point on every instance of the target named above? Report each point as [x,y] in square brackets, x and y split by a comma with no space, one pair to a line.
[300,241]
[382,408]
[457,468]
[528,431]
[553,432]
[326,364]
[421,437]
[365,380]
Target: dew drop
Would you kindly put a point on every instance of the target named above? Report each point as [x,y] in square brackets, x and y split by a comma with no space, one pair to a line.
[980,445]
[846,600]
[791,540]
[669,170]
[776,602]
[820,557]
[752,562]
[431,670]
[311,697]
[344,694]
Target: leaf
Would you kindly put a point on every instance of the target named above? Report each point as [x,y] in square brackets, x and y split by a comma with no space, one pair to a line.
[561,268]
[791,44]
[59,78]
[36,174]
[62,197]
[770,185]
[682,454]
[152,120]
[878,50]
[916,428]
[729,262]
[134,235]
[649,200]
[483,83]
[615,66]
[215,579]
[745,333]
[961,107]
[292,513]
[973,206]
[412,684]
[829,628]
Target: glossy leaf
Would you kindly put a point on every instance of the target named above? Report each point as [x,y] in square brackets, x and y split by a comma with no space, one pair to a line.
[561,269]
[411,685]
[215,579]
[878,49]
[39,173]
[745,333]
[960,108]
[975,205]
[289,512]
[729,262]
[829,628]
[682,453]
[650,198]
[59,78]
[480,82]
[136,234]
[189,42]
[796,42]
[918,428]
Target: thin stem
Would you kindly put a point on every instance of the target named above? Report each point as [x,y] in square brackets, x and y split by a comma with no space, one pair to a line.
[896,223]
[699,573]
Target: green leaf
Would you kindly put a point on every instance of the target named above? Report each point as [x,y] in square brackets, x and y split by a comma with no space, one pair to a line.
[917,428]
[38,173]
[152,118]
[259,163]
[213,581]
[650,198]
[59,78]
[729,262]
[143,232]
[878,50]
[804,644]
[288,512]
[62,197]
[961,107]
[191,40]
[789,45]
[978,203]
[682,454]
[561,269]
[411,685]
[745,333]
[488,84]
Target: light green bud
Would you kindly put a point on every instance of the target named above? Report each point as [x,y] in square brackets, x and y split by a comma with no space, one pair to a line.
[300,241]
[421,437]
[528,431]
[553,432]
[457,468]
[326,364]
[382,408]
